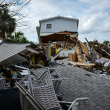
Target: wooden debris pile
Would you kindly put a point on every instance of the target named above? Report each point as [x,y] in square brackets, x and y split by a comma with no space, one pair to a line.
[22,54]
[92,57]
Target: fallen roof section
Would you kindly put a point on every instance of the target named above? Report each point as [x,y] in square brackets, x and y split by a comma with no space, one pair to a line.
[81,83]
[13,60]
[8,50]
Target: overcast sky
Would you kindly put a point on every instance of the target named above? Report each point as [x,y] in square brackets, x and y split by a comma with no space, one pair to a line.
[93,15]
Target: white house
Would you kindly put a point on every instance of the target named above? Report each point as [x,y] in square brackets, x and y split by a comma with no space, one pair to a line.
[56,29]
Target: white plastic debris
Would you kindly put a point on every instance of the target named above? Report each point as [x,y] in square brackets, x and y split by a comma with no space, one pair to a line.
[107,63]
[24,72]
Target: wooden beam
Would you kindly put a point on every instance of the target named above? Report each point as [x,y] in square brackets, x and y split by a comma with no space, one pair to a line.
[28,53]
[64,33]
[32,50]
[84,64]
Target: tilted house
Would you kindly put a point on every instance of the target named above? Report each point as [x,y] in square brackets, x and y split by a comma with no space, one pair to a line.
[57,29]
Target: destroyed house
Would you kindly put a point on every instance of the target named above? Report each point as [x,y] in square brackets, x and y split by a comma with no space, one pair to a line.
[57,29]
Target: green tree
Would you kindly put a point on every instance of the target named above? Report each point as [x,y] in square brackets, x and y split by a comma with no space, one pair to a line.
[106,42]
[17,37]
[8,23]
[84,42]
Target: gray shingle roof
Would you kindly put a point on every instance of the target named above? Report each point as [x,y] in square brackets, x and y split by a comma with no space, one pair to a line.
[81,83]
[13,60]
[9,49]
[58,17]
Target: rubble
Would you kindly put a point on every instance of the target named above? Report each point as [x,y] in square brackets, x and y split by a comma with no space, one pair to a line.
[25,54]
[33,66]
[90,57]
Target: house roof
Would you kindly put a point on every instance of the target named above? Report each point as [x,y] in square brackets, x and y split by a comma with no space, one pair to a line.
[8,50]
[59,17]
[13,60]
[81,83]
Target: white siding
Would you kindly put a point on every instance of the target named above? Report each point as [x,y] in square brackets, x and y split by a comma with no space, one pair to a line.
[59,25]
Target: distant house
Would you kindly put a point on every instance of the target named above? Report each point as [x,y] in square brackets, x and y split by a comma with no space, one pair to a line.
[57,29]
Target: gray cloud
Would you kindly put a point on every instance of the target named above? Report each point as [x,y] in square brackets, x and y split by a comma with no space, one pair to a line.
[94,16]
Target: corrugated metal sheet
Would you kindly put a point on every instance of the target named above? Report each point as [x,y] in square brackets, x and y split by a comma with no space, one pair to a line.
[8,50]
[13,60]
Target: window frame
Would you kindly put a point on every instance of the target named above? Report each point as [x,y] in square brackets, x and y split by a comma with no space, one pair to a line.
[51,26]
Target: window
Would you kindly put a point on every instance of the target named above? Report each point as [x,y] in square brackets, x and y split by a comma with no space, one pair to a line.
[48,26]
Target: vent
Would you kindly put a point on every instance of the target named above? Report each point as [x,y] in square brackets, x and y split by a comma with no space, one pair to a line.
[87,75]
[48,26]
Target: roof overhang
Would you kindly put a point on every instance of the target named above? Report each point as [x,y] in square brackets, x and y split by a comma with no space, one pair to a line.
[62,32]
[46,34]
[13,60]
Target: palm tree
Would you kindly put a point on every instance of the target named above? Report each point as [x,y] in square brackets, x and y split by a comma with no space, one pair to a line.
[17,37]
[7,23]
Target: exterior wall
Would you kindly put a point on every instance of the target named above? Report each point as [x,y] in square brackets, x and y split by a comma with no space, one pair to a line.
[59,25]
[53,38]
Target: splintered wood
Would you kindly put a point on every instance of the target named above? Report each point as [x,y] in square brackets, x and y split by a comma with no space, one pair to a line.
[78,51]
[73,57]
[85,49]
[78,63]
[80,56]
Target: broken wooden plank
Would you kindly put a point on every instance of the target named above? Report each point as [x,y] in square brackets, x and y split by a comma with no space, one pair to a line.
[81,58]
[85,64]
[85,49]
[74,58]
[78,51]
[32,50]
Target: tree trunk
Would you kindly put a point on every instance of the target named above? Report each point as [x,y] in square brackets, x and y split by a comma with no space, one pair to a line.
[3,35]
